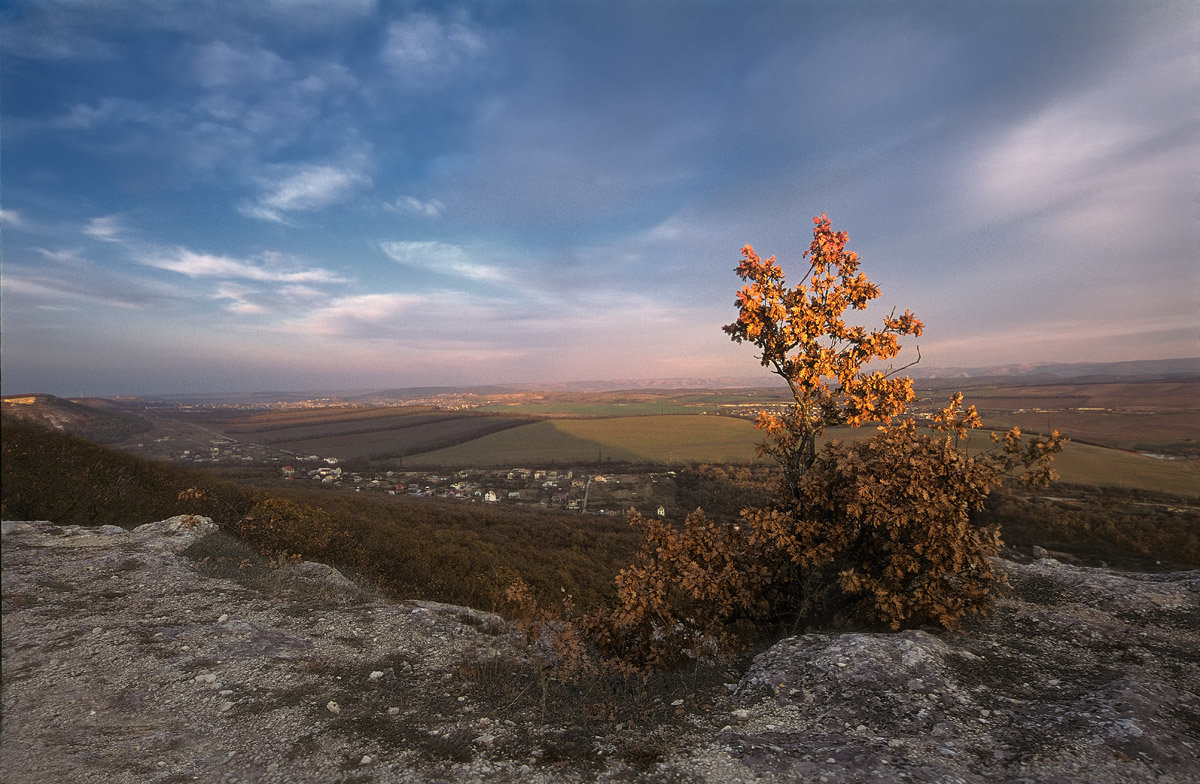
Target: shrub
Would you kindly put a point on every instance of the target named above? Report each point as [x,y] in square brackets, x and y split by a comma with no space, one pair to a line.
[883,526]
[281,527]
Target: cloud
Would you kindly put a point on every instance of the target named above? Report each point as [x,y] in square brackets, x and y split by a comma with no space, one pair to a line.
[65,274]
[113,111]
[422,48]
[12,219]
[243,299]
[1072,150]
[442,258]
[318,14]
[106,228]
[427,209]
[362,315]
[272,267]
[218,64]
[255,300]
[302,188]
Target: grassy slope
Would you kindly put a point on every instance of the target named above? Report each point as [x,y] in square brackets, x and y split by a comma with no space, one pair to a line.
[1088,464]
[412,548]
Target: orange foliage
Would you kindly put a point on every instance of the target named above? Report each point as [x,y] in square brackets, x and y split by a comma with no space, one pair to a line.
[805,340]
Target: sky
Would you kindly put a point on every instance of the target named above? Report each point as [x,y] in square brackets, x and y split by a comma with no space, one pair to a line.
[219,196]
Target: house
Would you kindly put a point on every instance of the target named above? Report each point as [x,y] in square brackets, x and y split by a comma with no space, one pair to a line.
[491,497]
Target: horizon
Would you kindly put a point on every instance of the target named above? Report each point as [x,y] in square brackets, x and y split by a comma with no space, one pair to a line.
[1185,368]
[305,195]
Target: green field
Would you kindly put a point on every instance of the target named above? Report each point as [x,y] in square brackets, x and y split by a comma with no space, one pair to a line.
[1097,465]
[638,439]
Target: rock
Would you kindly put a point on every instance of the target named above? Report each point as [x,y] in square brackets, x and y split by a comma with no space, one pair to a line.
[308,578]
[173,535]
[1080,675]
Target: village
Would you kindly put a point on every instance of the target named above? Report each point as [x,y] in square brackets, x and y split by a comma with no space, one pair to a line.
[586,491]
[572,490]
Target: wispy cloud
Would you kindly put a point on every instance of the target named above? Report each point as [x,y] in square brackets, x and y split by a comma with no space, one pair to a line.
[380,315]
[247,299]
[219,64]
[302,188]
[242,299]
[107,228]
[12,219]
[411,204]
[422,48]
[271,267]
[59,275]
[1075,148]
[442,258]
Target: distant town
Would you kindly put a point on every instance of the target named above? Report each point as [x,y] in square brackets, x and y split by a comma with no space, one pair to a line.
[586,492]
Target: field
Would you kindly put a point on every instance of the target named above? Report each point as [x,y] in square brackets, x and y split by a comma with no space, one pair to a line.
[1108,421]
[365,434]
[1145,416]
[635,402]
[687,438]
[1090,464]
[707,439]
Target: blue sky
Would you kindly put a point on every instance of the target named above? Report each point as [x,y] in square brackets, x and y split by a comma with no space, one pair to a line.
[297,194]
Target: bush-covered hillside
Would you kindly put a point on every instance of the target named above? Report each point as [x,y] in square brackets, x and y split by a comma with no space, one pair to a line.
[416,548]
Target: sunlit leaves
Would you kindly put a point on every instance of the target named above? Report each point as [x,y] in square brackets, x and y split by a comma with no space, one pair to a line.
[803,338]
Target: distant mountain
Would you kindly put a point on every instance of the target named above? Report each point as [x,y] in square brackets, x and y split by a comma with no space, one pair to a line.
[618,384]
[1136,369]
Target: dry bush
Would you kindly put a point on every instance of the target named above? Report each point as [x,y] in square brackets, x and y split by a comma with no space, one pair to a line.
[282,527]
[883,526]
[693,592]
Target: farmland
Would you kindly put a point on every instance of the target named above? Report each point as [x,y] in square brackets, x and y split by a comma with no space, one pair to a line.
[365,434]
[1108,422]
[1145,416]
[642,439]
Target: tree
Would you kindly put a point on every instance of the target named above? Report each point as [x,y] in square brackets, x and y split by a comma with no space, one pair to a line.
[877,530]
[805,340]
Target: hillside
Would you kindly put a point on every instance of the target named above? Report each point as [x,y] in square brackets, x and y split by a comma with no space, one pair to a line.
[97,420]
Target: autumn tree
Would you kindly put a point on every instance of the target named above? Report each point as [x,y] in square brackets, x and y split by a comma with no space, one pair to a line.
[803,338]
[876,530]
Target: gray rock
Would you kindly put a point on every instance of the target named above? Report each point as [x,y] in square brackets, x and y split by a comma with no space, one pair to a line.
[1080,675]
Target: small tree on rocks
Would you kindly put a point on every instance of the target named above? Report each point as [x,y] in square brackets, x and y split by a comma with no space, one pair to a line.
[876,530]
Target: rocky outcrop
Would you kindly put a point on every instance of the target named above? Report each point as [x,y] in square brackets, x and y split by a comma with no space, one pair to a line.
[173,653]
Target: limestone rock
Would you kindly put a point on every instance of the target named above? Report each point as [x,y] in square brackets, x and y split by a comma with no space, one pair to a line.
[170,653]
